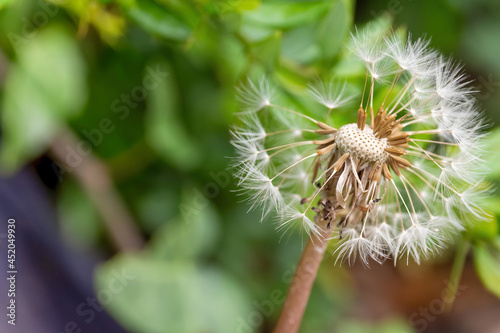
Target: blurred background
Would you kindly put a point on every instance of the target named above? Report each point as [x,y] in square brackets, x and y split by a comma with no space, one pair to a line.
[115,118]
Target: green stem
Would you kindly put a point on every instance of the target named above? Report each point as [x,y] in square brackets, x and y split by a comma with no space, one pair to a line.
[456,273]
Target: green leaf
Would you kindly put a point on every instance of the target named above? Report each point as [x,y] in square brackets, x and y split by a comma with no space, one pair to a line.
[253,33]
[231,56]
[226,7]
[151,296]
[299,46]
[43,89]
[193,233]
[78,215]
[286,14]
[485,229]
[488,228]
[261,23]
[157,20]
[156,202]
[392,325]
[491,144]
[322,38]
[268,51]
[5,3]
[487,263]
[334,28]
[165,131]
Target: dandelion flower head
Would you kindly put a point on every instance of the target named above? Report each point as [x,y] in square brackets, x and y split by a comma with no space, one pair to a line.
[397,180]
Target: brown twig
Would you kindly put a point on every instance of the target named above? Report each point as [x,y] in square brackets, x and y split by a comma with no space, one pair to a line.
[303,280]
[96,181]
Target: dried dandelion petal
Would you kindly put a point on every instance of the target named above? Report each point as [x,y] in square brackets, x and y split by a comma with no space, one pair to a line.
[395,182]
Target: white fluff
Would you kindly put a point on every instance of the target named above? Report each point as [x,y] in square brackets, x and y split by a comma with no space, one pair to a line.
[413,215]
[255,96]
[331,94]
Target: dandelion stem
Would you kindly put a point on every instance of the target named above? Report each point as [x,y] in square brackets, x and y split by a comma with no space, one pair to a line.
[364,89]
[401,95]
[303,280]
[394,82]
[456,273]
[403,200]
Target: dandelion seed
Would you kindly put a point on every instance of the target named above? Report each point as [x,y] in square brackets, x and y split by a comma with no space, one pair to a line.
[255,96]
[331,94]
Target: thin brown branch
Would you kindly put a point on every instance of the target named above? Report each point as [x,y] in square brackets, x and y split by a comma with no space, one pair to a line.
[69,154]
[303,280]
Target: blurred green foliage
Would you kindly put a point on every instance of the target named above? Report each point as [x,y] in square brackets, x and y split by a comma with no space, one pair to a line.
[208,266]
[34,108]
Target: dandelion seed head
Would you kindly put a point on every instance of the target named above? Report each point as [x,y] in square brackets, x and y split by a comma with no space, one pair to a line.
[361,143]
[396,181]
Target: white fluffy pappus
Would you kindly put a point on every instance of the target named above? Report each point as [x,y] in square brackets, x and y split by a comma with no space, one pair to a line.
[397,181]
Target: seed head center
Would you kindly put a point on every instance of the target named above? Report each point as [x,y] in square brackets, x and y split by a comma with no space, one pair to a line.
[361,144]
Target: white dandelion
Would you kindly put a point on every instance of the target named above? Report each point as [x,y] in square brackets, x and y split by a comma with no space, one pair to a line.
[396,182]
